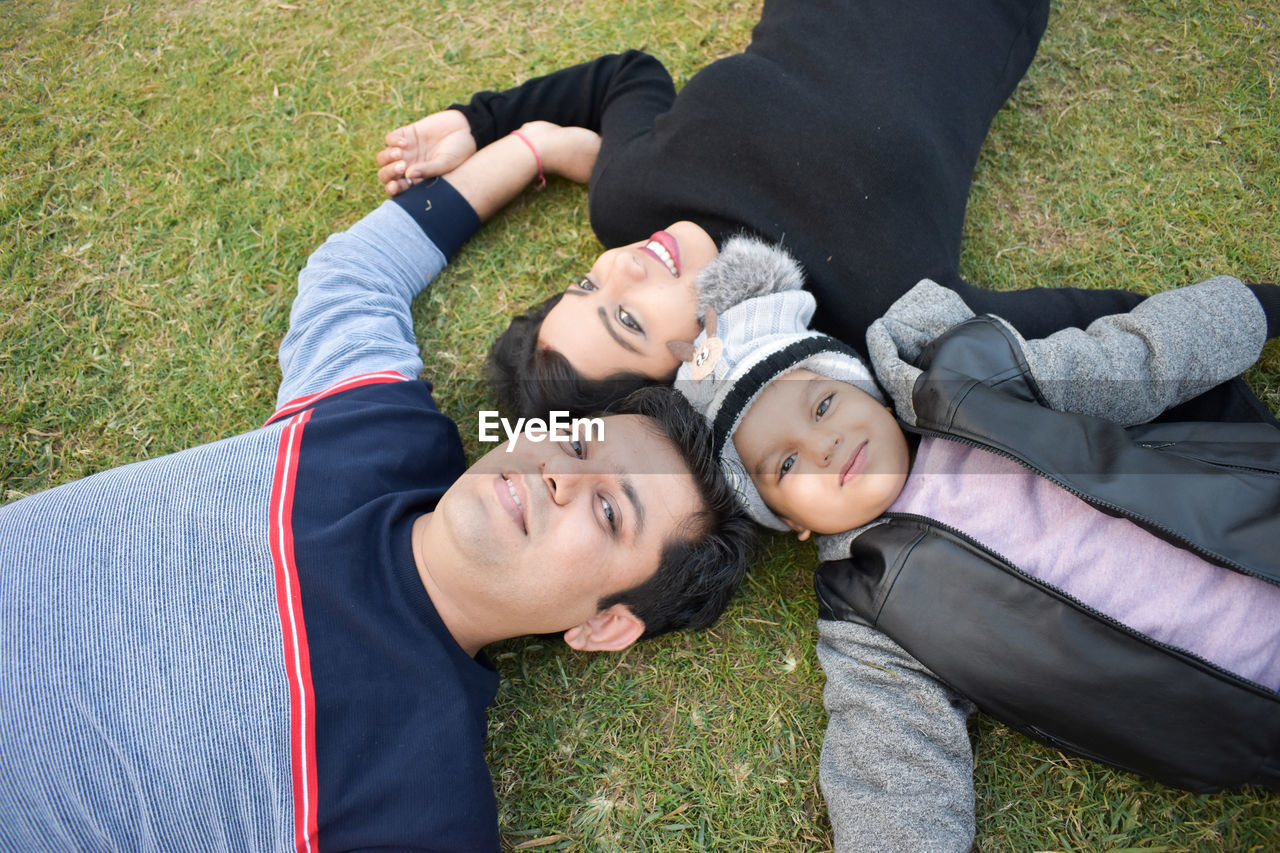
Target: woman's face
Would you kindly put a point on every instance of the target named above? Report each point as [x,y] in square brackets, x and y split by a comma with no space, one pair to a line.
[633,301]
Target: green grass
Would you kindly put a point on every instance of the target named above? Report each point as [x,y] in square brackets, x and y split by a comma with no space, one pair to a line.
[166,169]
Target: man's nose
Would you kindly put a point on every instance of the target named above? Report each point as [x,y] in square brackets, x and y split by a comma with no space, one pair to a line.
[565,479]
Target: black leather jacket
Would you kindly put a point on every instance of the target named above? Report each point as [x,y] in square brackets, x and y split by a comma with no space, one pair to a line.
[1029,654]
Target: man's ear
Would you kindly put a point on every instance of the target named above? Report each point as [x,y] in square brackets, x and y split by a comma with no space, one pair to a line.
[609,630]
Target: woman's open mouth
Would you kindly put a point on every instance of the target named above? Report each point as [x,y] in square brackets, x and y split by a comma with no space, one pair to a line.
[664,247]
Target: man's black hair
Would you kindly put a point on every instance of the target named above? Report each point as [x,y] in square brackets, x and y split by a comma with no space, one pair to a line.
[530,381]
[702,564]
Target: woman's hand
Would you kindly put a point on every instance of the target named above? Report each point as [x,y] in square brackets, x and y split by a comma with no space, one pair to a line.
[431,146]
[569,152]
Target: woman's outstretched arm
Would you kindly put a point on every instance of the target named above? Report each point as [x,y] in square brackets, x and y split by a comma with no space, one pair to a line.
[616,92]
[588,95]
[433,145]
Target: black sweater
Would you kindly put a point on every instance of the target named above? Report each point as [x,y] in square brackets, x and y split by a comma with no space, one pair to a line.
[846,131]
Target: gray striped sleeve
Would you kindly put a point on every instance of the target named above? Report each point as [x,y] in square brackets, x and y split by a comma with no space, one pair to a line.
[352,312]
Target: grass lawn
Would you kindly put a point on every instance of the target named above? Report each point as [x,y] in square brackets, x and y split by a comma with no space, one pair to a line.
[166,168]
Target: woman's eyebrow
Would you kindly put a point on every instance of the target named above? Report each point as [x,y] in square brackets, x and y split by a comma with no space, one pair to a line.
[613,333]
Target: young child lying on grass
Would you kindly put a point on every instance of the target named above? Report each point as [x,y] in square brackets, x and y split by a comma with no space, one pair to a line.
[1021,537]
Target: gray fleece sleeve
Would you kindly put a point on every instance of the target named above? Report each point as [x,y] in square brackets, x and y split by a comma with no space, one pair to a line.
[896,340]
[896,766]
[1128,368]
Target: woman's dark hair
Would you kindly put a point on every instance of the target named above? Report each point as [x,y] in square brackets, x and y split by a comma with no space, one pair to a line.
[530,382]
[703,564]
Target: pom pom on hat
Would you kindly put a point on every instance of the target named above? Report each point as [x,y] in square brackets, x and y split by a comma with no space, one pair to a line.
[746,267]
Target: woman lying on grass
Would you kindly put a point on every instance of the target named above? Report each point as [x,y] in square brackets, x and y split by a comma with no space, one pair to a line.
[846,132]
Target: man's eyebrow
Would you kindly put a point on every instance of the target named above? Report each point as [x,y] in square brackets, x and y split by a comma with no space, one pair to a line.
[613,333]
[629,489]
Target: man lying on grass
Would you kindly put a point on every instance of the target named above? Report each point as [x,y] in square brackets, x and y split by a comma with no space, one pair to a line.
[274,642]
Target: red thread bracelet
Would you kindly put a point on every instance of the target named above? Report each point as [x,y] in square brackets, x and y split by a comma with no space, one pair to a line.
[542,179]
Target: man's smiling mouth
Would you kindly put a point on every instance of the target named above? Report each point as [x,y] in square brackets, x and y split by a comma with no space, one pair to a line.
[519,509]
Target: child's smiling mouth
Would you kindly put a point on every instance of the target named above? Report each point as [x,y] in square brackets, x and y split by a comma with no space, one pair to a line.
[854,466]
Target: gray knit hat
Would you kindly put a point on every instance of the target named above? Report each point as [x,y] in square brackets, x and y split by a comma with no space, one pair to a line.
[739,353]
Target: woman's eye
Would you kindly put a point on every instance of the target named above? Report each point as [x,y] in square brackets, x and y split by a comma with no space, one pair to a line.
[823,406]
[787,465]
[576,446]
[607,509]
[627,320]
[586,284]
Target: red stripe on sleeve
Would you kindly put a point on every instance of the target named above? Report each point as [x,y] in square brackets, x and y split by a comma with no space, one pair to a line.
[347,384]
[297,658]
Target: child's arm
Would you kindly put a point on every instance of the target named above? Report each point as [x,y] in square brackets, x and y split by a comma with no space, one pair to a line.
[896,767]
[1128,368]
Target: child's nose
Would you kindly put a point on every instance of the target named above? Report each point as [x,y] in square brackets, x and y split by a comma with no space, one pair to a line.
[825,445]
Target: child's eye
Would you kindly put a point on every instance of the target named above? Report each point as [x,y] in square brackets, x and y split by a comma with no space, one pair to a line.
[823,406]
[576,447]
[627,320]
[586,284]
[786,465]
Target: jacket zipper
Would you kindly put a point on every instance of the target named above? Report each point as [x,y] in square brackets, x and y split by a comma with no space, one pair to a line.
[1120,511]
[1097,614]
[1248,469]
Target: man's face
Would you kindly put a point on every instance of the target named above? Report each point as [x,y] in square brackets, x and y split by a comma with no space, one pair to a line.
[635,300]
[541,534]
[825,456]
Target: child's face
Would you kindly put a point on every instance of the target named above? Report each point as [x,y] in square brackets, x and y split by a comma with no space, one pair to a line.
[826,456]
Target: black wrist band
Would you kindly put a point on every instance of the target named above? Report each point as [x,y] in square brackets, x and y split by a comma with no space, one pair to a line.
[441,212]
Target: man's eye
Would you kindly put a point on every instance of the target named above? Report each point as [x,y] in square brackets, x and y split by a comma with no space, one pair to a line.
[586,284]
[627,320]
[823,406]
[786,465]
[607,509]
[571,444]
